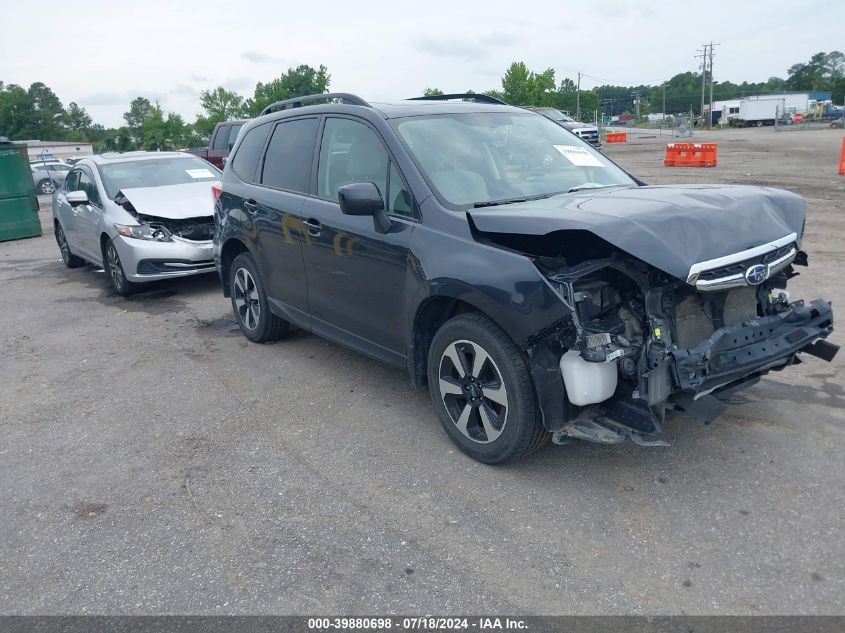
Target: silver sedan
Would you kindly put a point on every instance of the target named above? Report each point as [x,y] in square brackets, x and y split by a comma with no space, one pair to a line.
[142,216]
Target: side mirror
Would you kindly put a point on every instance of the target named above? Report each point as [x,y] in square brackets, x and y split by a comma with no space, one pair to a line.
[363,198]
[75,198]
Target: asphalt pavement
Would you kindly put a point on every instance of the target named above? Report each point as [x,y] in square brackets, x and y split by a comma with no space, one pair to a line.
[154,461]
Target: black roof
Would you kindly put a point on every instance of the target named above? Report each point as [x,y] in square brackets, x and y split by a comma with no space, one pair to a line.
[343,102]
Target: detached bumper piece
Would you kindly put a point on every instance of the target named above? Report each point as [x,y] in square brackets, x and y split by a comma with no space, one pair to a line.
[755,347]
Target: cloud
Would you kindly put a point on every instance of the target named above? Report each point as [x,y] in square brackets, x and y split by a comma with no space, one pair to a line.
[184,90]
[260,58]
[238,83]
[114,98]
[497,38]
[200,78]
[448,48]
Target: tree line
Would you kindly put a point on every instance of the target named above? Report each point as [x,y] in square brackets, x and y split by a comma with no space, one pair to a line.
[37,113]
[682,93]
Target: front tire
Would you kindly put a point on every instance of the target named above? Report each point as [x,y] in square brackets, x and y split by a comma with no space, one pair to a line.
[70,260]
[482,392]
[114,269]
[250,303]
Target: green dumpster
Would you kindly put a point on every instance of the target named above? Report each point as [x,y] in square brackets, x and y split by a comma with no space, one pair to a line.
[18,203]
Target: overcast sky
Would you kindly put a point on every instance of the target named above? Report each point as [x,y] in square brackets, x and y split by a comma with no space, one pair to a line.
[103,53]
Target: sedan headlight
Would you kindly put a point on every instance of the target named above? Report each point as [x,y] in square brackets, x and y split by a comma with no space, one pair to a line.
[153,232]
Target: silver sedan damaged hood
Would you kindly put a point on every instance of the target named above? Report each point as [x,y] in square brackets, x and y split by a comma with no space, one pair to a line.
[670,227]
[173,202]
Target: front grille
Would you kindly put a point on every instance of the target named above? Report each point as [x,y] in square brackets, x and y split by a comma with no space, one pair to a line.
[739,268]
[591,136]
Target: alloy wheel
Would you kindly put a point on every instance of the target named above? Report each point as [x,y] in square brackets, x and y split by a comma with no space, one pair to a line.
[473,391]
[246,299]
[115,270]
[63,247]
[47,187]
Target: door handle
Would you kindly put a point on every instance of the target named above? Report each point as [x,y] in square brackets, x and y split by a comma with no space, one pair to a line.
[250,205]
[314,226]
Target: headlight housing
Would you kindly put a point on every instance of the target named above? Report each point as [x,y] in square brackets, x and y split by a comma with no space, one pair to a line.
[150,232]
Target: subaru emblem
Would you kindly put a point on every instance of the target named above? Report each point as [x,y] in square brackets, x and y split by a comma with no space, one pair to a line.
[756,275]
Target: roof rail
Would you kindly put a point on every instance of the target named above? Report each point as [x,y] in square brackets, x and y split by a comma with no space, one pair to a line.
[297,102]
[480,98]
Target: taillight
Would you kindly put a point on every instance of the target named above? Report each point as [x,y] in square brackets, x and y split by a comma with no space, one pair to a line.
[216,190]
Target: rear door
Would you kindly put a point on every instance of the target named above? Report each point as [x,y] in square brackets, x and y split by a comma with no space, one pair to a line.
[219,145]
[275,201]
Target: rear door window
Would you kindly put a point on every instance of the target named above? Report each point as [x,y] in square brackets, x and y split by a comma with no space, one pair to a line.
[287,160]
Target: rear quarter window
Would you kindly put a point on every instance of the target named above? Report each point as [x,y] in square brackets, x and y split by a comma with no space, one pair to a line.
[245,162]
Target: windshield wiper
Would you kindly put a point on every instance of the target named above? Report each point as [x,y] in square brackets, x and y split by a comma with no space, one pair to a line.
[495,203]
[589,185]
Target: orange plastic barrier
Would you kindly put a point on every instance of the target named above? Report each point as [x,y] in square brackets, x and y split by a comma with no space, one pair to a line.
[690,155]
[842,159]
[616,137]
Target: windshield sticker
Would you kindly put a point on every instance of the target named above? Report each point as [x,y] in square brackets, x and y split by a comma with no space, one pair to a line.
[199,173]
[578,156]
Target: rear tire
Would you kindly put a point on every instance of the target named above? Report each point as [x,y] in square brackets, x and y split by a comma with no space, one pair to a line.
[70,260]
[482,392]
[250,303]
[45,187]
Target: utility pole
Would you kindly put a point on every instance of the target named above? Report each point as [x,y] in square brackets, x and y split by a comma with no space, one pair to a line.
[578,99]
[703,78]
[636,96]
[710,120]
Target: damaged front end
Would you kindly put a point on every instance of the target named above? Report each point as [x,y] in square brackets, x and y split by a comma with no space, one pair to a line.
[639,343]
[164,229]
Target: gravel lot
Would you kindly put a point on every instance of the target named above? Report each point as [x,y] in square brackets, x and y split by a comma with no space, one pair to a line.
[153,461]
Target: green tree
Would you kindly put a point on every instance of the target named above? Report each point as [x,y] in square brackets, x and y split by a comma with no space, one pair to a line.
[296,82]
[139,110]
[77,120]
[47,114]
[219,105]
[16,113]
[432,92]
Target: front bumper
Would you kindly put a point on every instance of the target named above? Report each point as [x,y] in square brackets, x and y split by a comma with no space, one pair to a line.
[752,348]
[148,261]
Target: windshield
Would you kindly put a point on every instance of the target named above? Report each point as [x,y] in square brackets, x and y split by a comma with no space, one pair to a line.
[156,172]
[485,157]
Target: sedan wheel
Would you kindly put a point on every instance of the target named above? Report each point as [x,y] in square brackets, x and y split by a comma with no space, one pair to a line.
[70,260]
[46,187]
[473,391]
[114,269]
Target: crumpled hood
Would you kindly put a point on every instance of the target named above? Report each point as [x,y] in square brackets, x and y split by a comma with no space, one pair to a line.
[173,202]
[669,227]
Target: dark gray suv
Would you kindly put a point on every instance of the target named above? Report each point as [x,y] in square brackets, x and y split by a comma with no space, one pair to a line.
[538,289]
